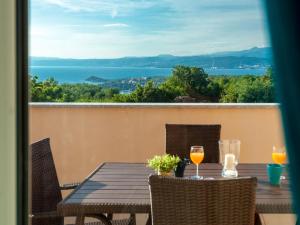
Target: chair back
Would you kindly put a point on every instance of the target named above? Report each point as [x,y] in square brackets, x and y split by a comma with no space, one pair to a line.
[45,188]
[202,202]
[180,138]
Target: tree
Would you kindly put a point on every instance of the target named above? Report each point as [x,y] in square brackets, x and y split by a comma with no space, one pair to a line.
[191,82]
[247,88]
[148,93]
[194,82]
[46,91]
[110,92]
[260,90]
[51,91]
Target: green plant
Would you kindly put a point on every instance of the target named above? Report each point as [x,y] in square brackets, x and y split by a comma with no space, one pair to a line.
[163,164]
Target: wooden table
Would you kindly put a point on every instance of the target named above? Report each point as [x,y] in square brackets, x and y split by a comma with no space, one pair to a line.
[123,188]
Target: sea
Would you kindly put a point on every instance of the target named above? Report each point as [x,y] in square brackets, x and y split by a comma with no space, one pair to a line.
[79,74]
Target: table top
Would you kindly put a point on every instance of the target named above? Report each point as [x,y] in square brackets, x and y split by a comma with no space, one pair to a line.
[123,188]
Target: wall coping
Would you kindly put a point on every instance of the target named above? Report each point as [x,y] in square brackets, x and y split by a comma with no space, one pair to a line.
[152,105]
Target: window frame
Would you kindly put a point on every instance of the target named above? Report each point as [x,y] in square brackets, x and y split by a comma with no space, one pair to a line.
[22,111]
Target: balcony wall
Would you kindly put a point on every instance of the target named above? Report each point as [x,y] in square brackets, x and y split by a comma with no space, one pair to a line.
[84,135]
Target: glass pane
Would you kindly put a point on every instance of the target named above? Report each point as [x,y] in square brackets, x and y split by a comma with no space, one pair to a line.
[116,83]
[150,51]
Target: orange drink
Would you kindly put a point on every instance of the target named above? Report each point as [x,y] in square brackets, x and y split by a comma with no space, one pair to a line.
[197,157]
[279,157]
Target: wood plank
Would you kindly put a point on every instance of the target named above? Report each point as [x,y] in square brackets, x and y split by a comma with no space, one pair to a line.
[141,191]
[146,195]
[111,196]
[117,182]
[118,187]
[105,201]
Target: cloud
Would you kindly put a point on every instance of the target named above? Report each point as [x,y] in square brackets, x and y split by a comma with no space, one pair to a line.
[156,26]
[113,43]
[110,7]
[114,13]
[115,8]
[65,4]
[116,25]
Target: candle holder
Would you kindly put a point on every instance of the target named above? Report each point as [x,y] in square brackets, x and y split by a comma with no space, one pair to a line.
[229,156]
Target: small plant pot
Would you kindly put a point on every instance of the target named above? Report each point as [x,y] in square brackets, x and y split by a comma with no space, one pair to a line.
[163,173]
[179,170]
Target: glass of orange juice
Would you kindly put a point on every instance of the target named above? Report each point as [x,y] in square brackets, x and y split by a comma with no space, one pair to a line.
[197,156]
[279,157]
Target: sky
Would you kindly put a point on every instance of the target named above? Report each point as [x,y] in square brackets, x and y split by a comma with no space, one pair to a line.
[120,28]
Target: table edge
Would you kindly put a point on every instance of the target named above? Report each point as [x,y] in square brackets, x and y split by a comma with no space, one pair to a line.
[59,205]
[261,208]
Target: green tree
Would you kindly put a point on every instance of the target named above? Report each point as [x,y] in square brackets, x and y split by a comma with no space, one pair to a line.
[247,88]
[194,82]
[184,81]
[148,93]
[51,91]
[110,92]
[260,90]
[46,91]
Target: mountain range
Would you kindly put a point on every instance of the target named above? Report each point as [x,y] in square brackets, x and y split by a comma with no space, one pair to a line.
[249,58]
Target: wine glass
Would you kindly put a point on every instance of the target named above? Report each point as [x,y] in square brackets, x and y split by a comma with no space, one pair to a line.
[279,157]
[197,156]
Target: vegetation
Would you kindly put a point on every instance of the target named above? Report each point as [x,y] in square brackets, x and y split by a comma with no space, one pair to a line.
[51,91]
[163,164]
[251,89]
[186,84]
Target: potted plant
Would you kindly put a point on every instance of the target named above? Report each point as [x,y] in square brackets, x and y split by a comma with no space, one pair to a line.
[164,164]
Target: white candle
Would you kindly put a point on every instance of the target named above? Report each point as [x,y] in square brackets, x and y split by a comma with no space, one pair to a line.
[229,162]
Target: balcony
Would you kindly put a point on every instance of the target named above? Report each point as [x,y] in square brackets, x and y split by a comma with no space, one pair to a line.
[84,135]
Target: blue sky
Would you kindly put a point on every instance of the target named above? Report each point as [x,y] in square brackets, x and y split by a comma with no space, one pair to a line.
[117,28]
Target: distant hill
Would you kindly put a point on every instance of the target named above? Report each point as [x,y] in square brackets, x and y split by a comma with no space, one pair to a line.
[252,52]
[95,79]
[250,58]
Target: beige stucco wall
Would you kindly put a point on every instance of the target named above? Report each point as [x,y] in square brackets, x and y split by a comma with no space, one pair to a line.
[82,136]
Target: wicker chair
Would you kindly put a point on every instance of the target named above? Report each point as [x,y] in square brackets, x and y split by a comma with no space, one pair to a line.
[180,138]
[177,201]
[46,191]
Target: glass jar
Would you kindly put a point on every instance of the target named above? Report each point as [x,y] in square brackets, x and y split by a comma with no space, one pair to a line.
[229,157]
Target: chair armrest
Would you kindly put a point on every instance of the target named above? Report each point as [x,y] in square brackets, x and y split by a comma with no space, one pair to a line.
[69,186]
[40,215]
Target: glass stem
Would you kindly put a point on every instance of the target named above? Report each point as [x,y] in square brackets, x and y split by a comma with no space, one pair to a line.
[197,172]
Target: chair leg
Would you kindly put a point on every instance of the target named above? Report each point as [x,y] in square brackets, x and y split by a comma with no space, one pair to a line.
[79,220]
[149,220]
[132,219]
[257,219]
[109,216]
[100,217]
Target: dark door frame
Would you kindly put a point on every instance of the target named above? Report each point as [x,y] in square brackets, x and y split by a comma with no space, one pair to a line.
[22,110]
